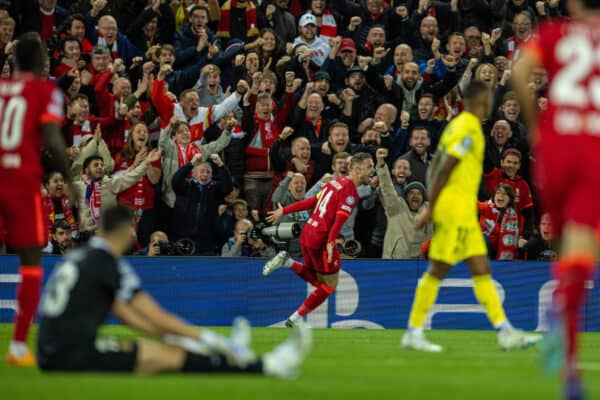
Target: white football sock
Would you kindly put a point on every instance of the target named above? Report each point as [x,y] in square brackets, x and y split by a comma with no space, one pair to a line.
[17,349]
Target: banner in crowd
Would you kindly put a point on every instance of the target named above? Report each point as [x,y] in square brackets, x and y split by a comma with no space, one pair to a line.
[371,293]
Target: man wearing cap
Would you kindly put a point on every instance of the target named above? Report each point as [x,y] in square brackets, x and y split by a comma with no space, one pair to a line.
[508,173]
[307,27]
[402,240]
[332,104]
[342,57]
[362,101]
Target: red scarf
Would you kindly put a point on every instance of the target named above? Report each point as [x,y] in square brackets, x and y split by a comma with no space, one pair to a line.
[328,26]
[316,125]
[186,156]
[67,212]
[93,197]
[504,234]
[258,157]
[225,19]
[268,131]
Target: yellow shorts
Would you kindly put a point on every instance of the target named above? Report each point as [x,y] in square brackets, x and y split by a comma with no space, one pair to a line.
[454,241]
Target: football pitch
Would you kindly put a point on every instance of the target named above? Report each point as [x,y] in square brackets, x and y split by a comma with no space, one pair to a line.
[344,364]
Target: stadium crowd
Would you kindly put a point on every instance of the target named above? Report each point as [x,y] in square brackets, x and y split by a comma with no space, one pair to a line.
[202,115]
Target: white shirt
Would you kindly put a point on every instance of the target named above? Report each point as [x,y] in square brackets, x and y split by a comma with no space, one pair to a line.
[319,48]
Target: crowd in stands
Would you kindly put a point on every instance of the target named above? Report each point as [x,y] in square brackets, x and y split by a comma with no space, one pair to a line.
[201,115]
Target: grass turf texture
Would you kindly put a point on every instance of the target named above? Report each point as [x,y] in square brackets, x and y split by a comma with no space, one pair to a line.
[344,364]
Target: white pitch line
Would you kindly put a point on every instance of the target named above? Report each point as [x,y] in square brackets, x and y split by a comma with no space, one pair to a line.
[589,366]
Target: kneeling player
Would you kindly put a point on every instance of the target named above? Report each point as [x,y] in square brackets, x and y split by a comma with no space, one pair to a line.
[92,281]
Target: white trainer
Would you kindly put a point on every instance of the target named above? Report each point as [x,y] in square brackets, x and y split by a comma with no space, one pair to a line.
[275,263]
[510,339]
[285,360]
[414,341]
[239,342]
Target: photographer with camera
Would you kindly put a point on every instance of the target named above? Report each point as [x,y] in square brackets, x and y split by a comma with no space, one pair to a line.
[290,190]
[160,245]
[244,244]
[154,245]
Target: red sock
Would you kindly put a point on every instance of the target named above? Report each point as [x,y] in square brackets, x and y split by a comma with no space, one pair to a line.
[28,296]
[570,296]
[315,299]
[305,273]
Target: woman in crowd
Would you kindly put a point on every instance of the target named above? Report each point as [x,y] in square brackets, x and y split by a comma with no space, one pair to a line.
[139,197]
[500,223]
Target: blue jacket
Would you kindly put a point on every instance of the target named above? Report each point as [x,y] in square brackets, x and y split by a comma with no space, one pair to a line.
[182,79]
[185,45]
[127,51]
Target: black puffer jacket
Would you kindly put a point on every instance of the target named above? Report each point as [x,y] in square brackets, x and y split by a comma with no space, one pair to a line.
[196,206]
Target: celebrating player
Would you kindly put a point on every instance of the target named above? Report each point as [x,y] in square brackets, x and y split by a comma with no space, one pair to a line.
[568,179]
[93,280]
[332,207]
[31,111]
[455,175]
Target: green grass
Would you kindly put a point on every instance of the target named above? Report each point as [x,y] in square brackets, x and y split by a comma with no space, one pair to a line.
[344,364]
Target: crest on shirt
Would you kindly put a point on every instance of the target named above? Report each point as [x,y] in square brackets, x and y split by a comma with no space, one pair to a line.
[350,200]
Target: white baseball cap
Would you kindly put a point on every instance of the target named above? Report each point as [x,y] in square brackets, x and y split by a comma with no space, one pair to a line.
[306,19]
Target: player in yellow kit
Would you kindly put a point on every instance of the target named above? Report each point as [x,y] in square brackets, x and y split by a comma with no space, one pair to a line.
[454,178]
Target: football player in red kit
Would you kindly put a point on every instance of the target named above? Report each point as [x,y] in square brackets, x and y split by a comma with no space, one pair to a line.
[31,111]
[566,140]
[331,208]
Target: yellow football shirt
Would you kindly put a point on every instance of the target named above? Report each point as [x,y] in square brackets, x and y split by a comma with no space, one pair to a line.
[463,139]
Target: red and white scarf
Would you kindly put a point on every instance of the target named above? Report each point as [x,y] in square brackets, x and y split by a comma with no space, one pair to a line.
[268,132]
[328,28]
[508,232]
[512,52]
[93,197]
[81,130]
[114,48]
[67,212]
[185,154]
[224,27]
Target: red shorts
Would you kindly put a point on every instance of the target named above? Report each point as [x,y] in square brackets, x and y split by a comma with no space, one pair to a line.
[568,179]
[316,259]
[22,212]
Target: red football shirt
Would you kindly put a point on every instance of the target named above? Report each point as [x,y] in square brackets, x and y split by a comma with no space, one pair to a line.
[523,197]
[569,51]
[25,105]
[338,196]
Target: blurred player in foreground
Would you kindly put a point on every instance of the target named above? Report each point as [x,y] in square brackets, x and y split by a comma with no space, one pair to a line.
[331,208]
[455,175]
[567,143]
[31,111]
[93,281]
